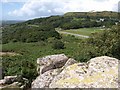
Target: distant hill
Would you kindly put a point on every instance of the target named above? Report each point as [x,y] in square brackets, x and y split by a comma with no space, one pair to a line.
[43,28]
[94,14]
[73,20]
[8,22]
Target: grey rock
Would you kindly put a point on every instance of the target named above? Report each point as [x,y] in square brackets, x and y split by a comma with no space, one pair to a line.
[13,82]
[45,79]
[2,82]
[70,61]
[10,79]
[51,62]
[99,72]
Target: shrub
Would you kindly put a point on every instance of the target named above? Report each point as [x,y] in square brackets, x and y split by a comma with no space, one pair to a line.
[57,44]
[28,33]
[105,44]
[14,40]
[50,40]
[30,40]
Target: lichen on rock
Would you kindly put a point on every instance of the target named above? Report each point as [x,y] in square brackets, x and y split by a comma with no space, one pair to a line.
[99,72]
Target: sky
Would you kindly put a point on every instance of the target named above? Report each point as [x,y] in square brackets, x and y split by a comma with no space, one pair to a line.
[30,9]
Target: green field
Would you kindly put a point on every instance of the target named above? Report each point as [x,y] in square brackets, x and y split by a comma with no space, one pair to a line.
[84,31]
[36,50]
[40,49]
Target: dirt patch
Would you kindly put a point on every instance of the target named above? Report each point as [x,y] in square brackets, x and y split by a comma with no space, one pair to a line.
[8,54]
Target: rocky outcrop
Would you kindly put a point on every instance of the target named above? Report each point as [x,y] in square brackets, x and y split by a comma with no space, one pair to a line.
[45,79]
[13,82]
[99,72]
[51,62]
[49,67]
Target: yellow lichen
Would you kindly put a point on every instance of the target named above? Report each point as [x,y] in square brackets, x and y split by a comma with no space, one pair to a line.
[112,72]
[69,80]
[98,76]
[91,79]
[71,70]
[72,67]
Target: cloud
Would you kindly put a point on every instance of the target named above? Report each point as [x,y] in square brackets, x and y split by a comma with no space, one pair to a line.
[7,1]
[37,8]
[4,1]
[101,0]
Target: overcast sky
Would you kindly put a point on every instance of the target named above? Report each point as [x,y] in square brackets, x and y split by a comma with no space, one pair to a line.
[29,9]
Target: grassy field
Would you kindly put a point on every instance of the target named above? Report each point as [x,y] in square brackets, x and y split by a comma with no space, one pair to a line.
[40,49]
[84,31]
